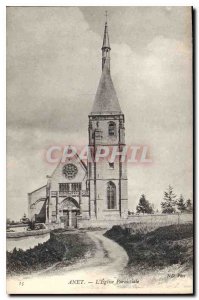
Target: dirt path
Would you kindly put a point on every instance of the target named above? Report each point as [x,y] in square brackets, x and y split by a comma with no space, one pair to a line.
[106,265]
[99,275]
[109,258]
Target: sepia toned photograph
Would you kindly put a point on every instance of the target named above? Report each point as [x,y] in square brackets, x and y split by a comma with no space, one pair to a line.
[99,150]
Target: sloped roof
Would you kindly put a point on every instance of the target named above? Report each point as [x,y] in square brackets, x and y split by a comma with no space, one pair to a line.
[106,101]
[77,158]
[42,187]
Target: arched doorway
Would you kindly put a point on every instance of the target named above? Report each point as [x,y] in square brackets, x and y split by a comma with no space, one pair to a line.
[69,209]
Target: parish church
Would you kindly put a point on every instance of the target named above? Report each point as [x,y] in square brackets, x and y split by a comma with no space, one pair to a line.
[88,195]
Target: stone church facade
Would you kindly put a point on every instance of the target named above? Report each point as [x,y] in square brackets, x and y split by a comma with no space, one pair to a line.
[80,195]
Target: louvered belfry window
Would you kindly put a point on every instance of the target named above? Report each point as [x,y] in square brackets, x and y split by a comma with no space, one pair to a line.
[112,129]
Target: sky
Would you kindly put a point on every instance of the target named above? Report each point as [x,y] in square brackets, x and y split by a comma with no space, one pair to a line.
[53,70]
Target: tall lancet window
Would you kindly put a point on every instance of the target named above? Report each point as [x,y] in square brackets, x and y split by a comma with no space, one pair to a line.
[111,195]
[112,129]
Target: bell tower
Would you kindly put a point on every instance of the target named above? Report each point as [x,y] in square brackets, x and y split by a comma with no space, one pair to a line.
[107,176]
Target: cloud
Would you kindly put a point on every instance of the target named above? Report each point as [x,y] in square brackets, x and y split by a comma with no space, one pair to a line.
[52,63]
[155,88]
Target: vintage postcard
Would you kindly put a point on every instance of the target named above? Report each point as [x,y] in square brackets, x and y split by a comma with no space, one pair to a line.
[99,150]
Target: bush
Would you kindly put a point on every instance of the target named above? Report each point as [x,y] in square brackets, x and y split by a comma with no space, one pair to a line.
[162,247]
[60,247]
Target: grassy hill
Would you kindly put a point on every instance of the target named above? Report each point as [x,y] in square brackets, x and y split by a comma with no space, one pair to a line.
[160,248]
[61,247]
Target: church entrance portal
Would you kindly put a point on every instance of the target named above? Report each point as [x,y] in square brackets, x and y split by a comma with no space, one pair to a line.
[70,211]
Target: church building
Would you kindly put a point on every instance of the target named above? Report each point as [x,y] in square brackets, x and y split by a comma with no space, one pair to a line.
[85,195]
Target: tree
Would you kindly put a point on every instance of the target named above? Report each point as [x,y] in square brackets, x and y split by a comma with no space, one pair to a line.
[181,204]
[189,207]
[144,206]
[169,203]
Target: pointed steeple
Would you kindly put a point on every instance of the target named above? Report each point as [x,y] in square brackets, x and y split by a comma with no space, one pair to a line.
[106,43]
[106,101]
[106,46]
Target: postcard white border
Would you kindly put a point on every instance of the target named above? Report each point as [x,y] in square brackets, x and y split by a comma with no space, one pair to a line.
[3,5]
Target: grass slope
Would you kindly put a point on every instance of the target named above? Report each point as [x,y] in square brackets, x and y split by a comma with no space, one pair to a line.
[160,248]
[60,247]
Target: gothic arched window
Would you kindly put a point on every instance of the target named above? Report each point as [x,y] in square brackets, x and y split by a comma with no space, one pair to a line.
[112,129]
[111,195]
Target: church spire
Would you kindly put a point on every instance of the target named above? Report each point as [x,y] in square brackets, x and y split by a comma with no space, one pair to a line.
[106,101]
[106,47]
